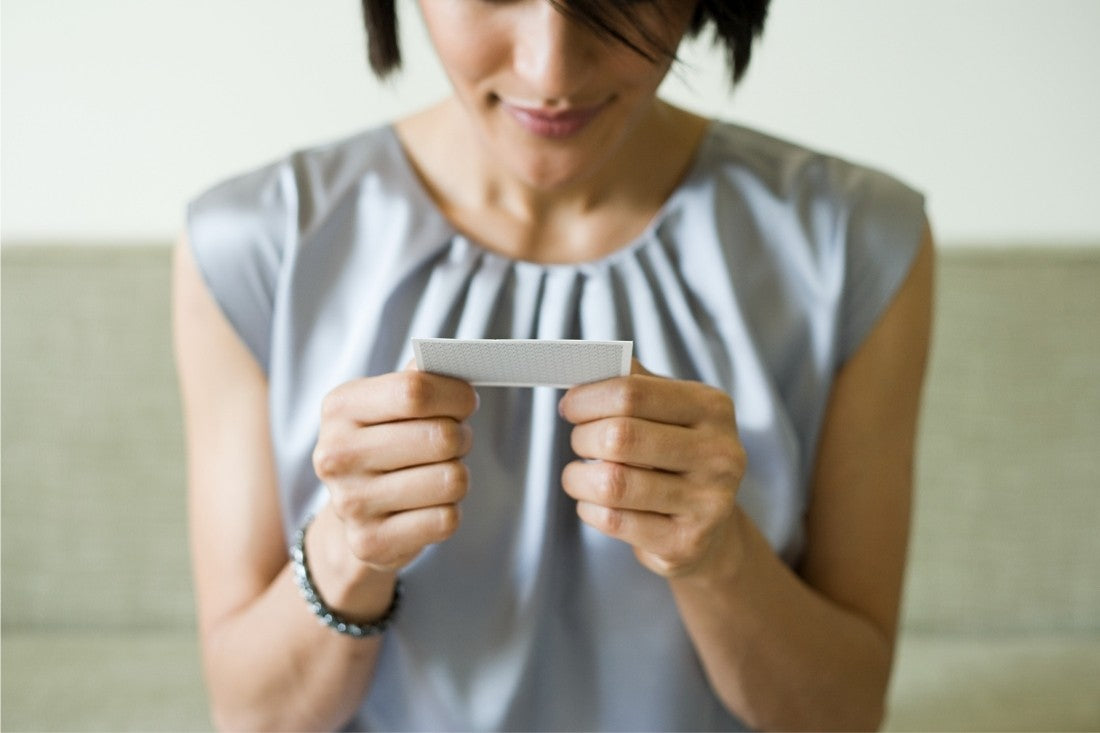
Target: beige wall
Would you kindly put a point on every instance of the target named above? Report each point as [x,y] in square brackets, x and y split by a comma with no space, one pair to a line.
[116,111]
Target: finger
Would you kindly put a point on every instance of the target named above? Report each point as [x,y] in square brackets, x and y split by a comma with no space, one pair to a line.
[403,490]
[618,486]
[392,542]
[402,395]
[648,531]
[638,443]
[649,397]
[392,446]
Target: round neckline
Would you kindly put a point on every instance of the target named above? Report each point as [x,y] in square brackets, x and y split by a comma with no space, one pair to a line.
[646,236]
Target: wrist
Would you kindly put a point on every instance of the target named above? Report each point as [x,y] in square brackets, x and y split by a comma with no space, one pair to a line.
[727,559]
[347,586]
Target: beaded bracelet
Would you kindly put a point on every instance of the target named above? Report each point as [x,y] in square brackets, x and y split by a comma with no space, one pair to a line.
[326,615]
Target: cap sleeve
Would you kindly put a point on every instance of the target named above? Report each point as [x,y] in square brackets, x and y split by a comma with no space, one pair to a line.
[881,234]
[238,232]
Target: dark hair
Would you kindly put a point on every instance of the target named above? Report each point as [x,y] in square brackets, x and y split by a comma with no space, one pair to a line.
[736,24]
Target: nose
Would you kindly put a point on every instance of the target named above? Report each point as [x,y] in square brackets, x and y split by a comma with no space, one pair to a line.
[552,53]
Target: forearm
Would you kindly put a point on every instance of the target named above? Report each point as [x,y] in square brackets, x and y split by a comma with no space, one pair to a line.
[777,653]
[272,665]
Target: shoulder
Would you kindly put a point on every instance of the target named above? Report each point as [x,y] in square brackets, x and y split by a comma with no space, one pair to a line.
[246,230]
[292,193]
[821,188]
[810,223]
[799,203]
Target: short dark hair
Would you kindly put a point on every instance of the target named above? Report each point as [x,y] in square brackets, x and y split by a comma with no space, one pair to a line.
[736,24]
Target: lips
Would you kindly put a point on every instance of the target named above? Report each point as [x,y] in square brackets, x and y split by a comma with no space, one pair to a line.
[554,124]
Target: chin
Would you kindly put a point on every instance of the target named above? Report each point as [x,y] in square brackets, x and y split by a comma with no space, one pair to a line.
[552,165]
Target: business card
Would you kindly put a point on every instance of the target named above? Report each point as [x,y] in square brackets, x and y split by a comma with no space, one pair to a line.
[524,362]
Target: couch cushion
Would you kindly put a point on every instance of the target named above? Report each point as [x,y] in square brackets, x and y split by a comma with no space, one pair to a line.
[1008,467]
[1012,683]
[93,470]
[117,681]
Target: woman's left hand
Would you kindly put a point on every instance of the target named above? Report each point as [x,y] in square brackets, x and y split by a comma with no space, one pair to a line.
[662,463]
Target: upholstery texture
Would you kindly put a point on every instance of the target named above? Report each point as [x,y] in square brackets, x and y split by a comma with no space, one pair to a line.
[1008,466]
[1015,682]
[93,503]
[1002,611]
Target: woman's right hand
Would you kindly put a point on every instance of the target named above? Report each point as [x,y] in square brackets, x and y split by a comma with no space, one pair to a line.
[389,451]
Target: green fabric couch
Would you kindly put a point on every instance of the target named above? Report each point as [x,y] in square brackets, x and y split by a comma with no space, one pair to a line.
[1002,613]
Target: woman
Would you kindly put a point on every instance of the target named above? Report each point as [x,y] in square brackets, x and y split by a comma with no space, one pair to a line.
[715,541]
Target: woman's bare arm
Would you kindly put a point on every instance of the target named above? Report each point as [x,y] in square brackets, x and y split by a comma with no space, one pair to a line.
[789,652]
[268,662]
[782,650]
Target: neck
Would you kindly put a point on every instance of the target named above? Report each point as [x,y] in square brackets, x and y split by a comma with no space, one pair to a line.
[644,167]
[604,203]
[616,179]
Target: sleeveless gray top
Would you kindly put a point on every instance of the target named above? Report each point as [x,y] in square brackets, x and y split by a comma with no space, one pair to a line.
[762,274]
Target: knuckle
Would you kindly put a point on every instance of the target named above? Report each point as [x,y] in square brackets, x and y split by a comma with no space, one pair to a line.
[333,403]
[446,437]
[740,460]
[629,397]
[377,545]
[322,462]
[414,391]
[570,477]
[664,566]
[330,460]
[619,436]
[611,520]
[673,563]
[720,505]
[613,486]
[455,480]
[678,556]
[341,502]
[695,544]
[366,544]
[465,439]
[472,400]
[694,540]
[721,405]
[447,519]
[579,441]
[725,456]
[734,465]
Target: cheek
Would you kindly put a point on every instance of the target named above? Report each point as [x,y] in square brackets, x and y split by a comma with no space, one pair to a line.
[629,69]
[469,50]
[468,65]
[634,75]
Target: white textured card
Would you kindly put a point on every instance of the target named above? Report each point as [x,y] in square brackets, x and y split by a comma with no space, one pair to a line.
[524,362]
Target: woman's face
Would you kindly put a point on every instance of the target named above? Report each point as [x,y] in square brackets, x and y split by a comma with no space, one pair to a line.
[551,100]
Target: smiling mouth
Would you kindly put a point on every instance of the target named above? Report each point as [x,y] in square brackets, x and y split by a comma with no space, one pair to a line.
[555,124]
